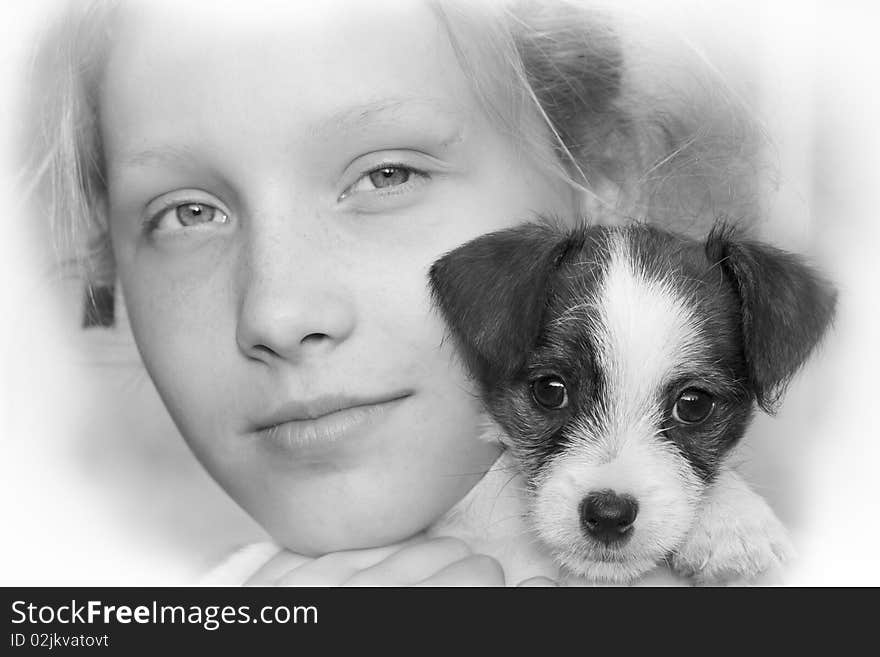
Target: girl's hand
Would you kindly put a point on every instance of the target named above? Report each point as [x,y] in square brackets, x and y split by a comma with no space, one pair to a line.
[416,562]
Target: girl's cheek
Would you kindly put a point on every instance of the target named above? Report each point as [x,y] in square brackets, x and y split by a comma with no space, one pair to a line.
[179,309]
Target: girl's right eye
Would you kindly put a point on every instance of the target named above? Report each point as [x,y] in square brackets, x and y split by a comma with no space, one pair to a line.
[186,215]
[196,213]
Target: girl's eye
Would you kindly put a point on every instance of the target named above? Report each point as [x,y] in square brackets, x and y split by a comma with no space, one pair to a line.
[693,406]
[550,392]
[186,215]
[386,177]
[389,177]
[196,213]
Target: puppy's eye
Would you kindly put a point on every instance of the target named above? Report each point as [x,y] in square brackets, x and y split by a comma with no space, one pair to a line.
[693,406]
[550,392]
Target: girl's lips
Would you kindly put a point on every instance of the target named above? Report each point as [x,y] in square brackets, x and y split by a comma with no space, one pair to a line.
[328,429]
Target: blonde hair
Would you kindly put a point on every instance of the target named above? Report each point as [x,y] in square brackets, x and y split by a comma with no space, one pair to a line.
[608,119]
[624,113]
[64,152]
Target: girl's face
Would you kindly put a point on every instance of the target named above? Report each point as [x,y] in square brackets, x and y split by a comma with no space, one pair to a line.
[280,181]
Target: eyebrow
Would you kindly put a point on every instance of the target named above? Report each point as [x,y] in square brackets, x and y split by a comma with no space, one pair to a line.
[386,111]
[171,155]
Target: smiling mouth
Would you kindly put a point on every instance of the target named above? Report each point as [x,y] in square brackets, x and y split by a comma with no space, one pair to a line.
[329,429]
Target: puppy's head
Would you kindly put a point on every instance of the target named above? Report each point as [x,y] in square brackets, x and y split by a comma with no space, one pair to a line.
[623,364]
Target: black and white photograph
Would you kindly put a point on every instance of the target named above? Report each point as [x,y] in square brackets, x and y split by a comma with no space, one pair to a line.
[439,293]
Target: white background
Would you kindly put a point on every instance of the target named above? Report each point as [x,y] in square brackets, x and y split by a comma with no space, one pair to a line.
[97,487]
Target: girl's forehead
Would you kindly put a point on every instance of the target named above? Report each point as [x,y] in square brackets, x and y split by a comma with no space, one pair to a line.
[262,14]
[342,62]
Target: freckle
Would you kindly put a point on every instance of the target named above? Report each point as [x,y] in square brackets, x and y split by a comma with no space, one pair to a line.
[457,137]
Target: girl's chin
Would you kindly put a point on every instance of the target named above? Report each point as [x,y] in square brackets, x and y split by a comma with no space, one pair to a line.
[349,521]
[319,540]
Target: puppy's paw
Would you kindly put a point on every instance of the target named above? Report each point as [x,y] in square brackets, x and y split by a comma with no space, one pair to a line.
[736,540]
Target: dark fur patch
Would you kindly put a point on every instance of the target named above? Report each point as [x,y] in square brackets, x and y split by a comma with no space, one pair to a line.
[492,293]
[786,308]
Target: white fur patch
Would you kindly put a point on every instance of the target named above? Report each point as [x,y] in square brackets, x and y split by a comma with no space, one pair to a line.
[736,537]
[652,472]
[646,333]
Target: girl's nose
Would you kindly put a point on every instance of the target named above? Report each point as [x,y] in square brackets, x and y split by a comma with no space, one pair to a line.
[290,313]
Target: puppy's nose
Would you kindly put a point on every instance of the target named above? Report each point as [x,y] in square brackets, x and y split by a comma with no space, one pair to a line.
[607,516]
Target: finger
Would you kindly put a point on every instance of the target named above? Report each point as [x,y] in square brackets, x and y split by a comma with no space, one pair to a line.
[337,567]
[281,563]
[412,564]
[537,581]
[773,576]
[475,570]
[238,568]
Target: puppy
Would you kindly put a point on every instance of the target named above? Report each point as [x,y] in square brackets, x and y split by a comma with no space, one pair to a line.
[623,365]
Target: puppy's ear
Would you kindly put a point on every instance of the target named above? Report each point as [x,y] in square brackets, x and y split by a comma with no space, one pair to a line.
[492,292]
[786,308]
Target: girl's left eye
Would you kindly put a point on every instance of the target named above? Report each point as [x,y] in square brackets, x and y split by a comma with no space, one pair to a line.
[385,177]
[389,177]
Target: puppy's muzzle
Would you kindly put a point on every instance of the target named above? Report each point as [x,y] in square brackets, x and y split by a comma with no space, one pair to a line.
[608,517]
